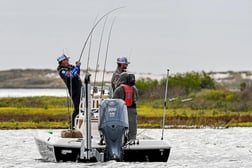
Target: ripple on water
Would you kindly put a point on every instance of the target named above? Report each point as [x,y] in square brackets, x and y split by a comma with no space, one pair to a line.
[230,147]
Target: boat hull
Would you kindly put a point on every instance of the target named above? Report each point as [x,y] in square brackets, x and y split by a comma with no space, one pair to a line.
[147,151]
[68,149]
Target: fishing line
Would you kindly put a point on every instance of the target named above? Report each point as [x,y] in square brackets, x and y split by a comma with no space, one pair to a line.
[68,106]
[130,53]
[71,88]
[141,132]
[65,51]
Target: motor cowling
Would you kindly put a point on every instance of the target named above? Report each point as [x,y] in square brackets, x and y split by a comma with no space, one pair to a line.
[113,126]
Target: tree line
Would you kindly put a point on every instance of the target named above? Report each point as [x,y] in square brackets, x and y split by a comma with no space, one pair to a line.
[178,85]
[196,90]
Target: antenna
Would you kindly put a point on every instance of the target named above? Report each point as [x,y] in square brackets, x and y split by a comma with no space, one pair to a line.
[165,100]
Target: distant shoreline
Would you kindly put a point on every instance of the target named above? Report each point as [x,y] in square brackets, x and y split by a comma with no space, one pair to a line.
[46,78]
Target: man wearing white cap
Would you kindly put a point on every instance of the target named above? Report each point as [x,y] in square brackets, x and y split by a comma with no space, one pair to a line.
[70,75]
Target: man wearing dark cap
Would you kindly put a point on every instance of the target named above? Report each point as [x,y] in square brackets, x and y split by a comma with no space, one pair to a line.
[122,64]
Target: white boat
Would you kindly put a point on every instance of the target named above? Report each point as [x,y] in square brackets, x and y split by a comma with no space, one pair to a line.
[102,139]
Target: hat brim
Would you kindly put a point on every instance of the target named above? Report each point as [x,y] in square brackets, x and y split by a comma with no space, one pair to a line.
[124,63]
[63,59]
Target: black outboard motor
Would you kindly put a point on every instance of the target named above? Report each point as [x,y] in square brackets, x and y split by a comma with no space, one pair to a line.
[113,126]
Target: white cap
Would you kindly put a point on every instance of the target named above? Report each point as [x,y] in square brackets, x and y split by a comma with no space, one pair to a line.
[62,57]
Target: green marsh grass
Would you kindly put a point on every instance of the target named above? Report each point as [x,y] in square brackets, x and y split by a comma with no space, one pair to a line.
[50,112]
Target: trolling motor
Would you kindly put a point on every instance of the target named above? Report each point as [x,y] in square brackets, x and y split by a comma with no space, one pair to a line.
[113,126]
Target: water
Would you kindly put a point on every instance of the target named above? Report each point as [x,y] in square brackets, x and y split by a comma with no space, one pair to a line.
[32,92]
[215,148]
[39,92]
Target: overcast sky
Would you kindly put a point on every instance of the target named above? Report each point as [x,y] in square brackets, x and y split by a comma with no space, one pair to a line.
[182,35]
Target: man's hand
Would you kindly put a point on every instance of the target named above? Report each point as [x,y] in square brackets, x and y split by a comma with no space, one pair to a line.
[78,63]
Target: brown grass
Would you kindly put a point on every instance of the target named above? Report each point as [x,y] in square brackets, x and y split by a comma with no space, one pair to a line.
[32,117]
[212,121]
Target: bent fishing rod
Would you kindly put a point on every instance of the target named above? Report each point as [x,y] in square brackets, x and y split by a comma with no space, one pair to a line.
[165,103]
[98,21]
[98,54]
[90,44]
[106,56]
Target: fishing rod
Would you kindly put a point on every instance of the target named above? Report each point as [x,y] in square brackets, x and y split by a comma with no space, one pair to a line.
[165,100]
[105,62]
[98,55]
[89,52]
[98,21]
[90,44]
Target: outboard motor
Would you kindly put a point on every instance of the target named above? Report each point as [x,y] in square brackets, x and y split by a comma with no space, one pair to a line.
[113,126]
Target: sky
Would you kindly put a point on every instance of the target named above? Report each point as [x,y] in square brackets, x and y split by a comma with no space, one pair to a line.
[155,35]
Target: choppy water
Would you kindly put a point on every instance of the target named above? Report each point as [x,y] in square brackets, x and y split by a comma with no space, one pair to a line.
[230,148]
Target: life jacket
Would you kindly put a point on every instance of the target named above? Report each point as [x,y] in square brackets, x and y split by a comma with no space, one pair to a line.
[128,94]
